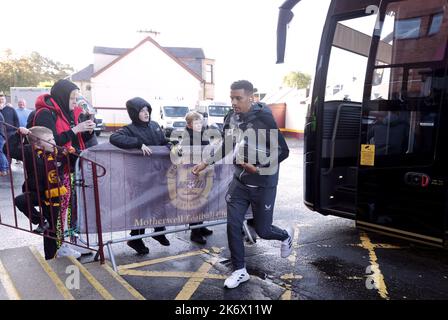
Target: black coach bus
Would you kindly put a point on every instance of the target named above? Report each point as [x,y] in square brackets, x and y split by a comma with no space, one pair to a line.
[376,140]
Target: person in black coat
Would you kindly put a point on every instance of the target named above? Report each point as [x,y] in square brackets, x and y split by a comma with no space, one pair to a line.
[9,115]
[140,134]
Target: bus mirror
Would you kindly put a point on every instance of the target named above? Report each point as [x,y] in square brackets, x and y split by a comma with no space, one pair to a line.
[284,18]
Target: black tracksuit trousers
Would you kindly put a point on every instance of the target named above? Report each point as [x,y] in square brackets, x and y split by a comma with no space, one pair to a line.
[261,199]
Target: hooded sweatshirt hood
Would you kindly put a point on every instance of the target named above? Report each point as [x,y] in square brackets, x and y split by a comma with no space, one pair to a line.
[134,106]
[60,92]
[254,110]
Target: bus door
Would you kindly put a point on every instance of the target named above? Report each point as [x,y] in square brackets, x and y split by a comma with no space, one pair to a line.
[332,129]
[402,175]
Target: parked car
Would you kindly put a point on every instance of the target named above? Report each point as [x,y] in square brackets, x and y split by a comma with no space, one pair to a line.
[99,126]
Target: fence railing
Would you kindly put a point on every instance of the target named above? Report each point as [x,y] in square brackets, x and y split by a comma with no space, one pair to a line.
[49,182]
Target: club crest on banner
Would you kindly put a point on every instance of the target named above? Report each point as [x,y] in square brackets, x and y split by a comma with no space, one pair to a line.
[187,191]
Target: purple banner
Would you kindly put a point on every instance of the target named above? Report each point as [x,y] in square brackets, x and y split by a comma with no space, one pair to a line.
[138,192]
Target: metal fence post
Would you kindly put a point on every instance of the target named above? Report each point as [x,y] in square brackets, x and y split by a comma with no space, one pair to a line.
[98,214]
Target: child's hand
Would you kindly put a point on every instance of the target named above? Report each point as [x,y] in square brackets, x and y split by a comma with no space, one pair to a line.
[23,131]
[69,150]
[146,150]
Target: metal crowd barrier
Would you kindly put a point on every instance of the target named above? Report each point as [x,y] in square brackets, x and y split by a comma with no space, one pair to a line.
[138,187]
[69,235]
[88,228]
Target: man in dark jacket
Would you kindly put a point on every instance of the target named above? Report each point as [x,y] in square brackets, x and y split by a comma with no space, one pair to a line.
[9,115]
[141,134]
[255,181]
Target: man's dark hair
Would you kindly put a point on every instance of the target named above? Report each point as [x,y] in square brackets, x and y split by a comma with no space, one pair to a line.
[243,84]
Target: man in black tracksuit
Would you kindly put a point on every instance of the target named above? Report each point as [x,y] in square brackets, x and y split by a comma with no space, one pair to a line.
[254,181]
[141,134]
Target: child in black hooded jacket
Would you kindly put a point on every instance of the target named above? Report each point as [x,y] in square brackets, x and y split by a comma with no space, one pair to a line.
[141,134]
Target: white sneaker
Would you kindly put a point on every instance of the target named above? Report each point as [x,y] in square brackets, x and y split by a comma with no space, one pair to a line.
[237,277]
[81,250]
[66,251]
[286,248]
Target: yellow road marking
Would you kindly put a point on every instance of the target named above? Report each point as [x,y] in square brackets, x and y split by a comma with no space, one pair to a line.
[287,295]
[170,274]
[155,261]
[193,283]
[98,286]
[290,276]
[379,246]
[387,246]
[53,276]
[217,250]
[7,283]
[293,257]
[126,285]
[377,275]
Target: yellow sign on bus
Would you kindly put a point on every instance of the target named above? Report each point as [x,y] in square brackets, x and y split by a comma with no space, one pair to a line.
[367,155]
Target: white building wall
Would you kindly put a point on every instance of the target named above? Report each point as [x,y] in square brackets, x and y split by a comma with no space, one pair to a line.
[296,110]
[146,72]
[296,106]
[84,88]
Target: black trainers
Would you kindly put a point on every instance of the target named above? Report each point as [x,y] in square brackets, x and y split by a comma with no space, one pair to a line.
[162,240]
[138,246]
[206,232]
[197,237]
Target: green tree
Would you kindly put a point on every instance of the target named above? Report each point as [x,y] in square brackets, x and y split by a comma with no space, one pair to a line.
[29,71]
[297,79]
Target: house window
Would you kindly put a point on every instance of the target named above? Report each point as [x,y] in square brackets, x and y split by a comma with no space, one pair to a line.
[407,28]
[209,73]
[436,24]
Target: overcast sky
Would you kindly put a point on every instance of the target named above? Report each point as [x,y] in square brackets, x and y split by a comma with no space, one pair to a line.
[239,34]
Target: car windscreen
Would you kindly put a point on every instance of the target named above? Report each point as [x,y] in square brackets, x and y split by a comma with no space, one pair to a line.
[175,111]
[218,111]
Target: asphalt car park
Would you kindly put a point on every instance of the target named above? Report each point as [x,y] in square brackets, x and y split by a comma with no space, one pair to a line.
[332,259]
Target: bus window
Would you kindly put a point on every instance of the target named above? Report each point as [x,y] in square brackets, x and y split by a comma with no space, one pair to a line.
[389,132]
[386,83]
[348,59]
[410,36]
[419,83]
[406,85]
